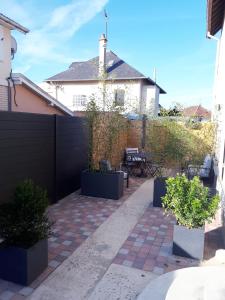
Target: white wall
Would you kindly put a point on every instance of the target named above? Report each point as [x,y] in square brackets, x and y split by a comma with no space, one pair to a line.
[5,54]
[219,117]
[219,107]
[95,89]
[134,91]
[150,96]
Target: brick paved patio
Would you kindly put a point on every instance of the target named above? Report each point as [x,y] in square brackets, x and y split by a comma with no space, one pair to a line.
[149,246]
[76,218]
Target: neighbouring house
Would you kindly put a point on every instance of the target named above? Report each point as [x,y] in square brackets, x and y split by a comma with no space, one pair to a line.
[122,83]
[17,92]
[216,31]
[197,111]
[29,97]
[7,50]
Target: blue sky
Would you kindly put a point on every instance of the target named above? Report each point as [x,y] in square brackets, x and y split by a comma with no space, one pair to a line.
[168,35]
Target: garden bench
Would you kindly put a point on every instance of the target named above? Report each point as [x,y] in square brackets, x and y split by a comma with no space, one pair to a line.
[204,171]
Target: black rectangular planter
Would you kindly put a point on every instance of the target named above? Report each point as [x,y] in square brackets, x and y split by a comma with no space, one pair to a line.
[23,266]
[188,242]
[103,185]
[159,190]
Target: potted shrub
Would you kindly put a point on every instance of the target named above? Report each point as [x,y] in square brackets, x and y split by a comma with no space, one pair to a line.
[24,229]
[192,206]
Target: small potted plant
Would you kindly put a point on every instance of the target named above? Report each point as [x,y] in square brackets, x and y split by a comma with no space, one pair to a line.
[24,229]
[192,206]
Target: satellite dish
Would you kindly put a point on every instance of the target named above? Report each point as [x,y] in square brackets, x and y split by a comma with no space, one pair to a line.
[13,46]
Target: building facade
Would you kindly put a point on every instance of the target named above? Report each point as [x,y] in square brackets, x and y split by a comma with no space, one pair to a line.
[6,52]
[216,31]
[17,92]
[108,79]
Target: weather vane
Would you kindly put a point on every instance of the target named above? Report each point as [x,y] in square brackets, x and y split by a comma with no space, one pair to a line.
[106,24]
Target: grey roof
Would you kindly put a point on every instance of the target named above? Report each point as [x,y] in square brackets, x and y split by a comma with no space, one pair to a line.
[117,69]
[5,21]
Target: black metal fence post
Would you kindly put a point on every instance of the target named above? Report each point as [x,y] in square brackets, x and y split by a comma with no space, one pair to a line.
[143,139]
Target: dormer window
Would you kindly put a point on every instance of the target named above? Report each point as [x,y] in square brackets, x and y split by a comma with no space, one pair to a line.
[110,63]
[119,96]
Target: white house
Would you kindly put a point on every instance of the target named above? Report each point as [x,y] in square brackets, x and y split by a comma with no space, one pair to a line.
[109,73]
[216,31]
[7,44]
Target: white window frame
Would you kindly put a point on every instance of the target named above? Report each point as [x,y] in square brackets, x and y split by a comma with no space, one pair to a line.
[79,100]
[119,97]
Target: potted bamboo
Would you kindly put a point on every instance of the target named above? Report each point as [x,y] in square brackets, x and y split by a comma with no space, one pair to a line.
[189,201]
[24,229]
[105,128]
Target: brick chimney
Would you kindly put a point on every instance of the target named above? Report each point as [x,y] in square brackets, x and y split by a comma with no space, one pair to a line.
[102,55]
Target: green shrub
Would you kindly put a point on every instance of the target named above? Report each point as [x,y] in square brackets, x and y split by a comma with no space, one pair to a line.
[189,201]
[23,222]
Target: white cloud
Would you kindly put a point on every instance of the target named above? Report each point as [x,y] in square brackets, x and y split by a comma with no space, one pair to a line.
[47,42]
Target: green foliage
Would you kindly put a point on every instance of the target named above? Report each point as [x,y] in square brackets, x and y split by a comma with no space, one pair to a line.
[175,111]
[189,201]
[193,123]
[106,123]
[23,222]
[92,115]
[177,144]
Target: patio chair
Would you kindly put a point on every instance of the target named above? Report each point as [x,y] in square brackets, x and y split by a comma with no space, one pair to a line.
[105,166]
[133,160]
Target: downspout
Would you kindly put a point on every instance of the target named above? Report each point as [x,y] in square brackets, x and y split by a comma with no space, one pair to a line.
[9,95]
[10,92]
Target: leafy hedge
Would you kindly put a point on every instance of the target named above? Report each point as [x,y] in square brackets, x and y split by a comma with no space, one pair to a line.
[177,144]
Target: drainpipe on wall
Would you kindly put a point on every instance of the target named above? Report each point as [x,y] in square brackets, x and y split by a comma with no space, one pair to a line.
[9,95]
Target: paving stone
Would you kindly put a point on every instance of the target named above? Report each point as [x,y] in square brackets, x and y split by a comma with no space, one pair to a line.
[161,233]
[123,251]
[155,228]
[127,263]
[65,253]
[52,239]
[54,263]
[26,291]
[6,295]
[158,271]
[150,238]
[134,235]
[67,243]
[138,244]
[141,240]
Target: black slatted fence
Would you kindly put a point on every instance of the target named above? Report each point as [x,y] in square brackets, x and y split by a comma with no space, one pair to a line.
[52,150]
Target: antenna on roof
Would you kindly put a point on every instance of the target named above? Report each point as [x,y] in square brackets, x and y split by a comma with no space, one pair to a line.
[154,74]
[106,23]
